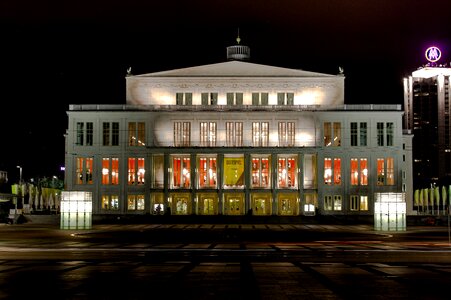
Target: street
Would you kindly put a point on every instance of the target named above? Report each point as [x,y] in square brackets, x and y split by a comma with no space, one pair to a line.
[224,261]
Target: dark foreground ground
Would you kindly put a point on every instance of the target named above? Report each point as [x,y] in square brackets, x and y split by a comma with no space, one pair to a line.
[224,261]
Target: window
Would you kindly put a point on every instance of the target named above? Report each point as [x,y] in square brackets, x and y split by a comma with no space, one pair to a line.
[353,133]
[207,172]
[209,98]
[85,132]
[287,172]
[337,202]
[181,172]
[332,202]
[136,134]
[157,171]
[390,134]
[359,171]
[363,134]
[183,98]
[328,202]
[110,171]
[286,134]
[136,171]
[354,202]
[110,134]
[234,134]
[259,98]
[380,134]
[110,202]
[260,134]
[84,170]
[135,202]
[356,138]
[233,171]
[332,134]
[332,171]
[261,171]
[208,134]
[182,134]
[358,203]
[285,98]
[385,171]
[234,98]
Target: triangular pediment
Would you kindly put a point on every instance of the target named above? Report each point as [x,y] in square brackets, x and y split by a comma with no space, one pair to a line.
[235,69]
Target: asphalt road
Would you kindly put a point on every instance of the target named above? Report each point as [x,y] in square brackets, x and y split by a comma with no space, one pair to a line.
[224,261]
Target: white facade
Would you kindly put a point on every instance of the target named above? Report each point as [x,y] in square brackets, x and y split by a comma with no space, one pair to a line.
[235,138]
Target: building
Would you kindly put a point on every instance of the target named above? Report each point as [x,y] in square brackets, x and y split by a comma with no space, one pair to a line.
[236,138]
[427,117]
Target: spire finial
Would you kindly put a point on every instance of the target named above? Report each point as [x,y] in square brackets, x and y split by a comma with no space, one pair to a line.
[238,40]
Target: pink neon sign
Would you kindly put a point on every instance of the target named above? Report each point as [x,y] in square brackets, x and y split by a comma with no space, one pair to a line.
[433,54]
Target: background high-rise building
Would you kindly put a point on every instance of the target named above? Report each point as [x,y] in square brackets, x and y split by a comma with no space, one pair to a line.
[427,117]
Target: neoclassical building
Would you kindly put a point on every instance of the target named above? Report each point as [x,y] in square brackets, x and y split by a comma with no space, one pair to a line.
[233,138]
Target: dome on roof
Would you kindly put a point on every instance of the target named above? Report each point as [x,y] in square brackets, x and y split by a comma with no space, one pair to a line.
[238,52]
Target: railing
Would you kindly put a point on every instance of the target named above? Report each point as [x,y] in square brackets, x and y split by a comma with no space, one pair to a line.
[220,108]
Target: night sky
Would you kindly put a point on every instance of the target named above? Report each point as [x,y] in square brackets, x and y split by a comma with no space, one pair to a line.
[56,53]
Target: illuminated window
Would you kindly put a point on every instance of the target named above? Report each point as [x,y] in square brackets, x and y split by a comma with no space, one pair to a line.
[110,202]
[385,171]
[310,173]
[337,202]
[110,171]
[182,134]
[181,172]
[358,203]
[136,171]
[327,170]
[85,132]
[332,134]
[234,134]
[157,171]
[183,98]
[363,202]
[135,202]
[208,134]
[260,134]
[286,134]
[84,170]
[136,134]
[328,202]
[380,171]
[234,98]
[332,171]
[207,172]
[233,171]
[287,172]
[110,134]
[261,172]
[359,171]
[363,171]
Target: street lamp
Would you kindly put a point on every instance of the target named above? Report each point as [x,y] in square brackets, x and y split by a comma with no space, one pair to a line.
[20,174]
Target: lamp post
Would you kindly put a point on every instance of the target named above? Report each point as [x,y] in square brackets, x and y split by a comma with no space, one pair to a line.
[20,174]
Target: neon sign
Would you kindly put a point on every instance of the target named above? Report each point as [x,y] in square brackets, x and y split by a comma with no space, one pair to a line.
[433,54]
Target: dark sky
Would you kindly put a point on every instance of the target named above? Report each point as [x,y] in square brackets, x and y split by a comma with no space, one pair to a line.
[56,53]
